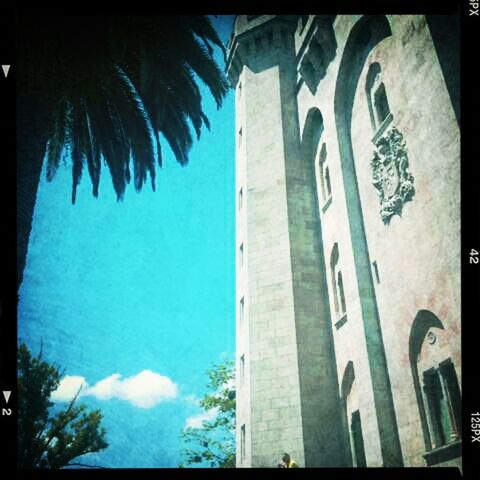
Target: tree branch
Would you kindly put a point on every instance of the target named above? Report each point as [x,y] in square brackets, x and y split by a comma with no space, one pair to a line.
[60,427]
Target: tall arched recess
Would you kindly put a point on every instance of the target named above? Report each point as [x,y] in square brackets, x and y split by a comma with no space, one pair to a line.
[368,32]
[333,452]
[311,134]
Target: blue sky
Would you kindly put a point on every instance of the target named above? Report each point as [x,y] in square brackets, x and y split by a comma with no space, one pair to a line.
[135,299]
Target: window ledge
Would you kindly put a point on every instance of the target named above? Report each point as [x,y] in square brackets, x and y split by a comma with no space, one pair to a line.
[327,204]
[341,322]
[381,129]
[443,453]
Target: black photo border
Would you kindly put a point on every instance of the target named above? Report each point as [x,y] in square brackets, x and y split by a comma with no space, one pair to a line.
[470,219]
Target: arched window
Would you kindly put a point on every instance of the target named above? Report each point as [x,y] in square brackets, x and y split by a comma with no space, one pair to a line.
[442,398]
[436,386]
[333,266]
[242,370]
[324,177]
[338,288]
[380,104]
[358,449]
[315,149]
[376,97]
[352,417]
[242,310]
[242,443]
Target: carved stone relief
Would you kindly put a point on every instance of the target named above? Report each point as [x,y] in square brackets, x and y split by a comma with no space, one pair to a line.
[391,177]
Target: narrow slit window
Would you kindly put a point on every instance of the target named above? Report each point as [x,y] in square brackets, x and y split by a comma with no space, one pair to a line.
[242,310]
[327,182]
[242,443]
[242,370]
[375,270]
[333,267]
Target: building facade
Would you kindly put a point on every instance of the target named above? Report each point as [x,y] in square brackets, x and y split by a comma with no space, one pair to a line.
[347,240]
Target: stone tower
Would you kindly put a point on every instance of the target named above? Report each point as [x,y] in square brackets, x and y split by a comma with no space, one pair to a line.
[287,384]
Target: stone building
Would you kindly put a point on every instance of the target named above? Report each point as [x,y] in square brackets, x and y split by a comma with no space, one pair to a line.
[348,240]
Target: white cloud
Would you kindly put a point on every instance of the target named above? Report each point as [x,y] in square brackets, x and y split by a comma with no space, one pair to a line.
[68,388]
[192,399]
[196,421]
[106,388]
[145,390]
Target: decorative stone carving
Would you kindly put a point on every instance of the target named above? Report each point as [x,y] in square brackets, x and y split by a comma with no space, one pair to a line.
[391,178]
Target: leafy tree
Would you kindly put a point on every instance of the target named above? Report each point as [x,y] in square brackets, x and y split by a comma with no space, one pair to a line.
[47,440]
[106,87]
[213,444]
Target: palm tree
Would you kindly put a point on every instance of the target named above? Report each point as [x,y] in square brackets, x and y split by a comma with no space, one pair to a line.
[105,87]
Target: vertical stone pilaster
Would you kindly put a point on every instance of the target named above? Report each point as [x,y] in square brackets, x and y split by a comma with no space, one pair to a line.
[291,401]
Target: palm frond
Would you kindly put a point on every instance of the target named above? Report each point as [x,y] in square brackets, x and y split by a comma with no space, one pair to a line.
[93,155]
[138,129]
[109,137]
[115,83]
[57,139]
[77,141]
[202,26]
[199,60]
[177,133]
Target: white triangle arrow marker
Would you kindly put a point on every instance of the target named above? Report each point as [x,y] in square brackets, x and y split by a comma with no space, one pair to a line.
[7,396]
[5,68]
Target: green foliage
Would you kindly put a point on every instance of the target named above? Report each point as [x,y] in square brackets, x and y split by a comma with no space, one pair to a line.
[213,444]
[47,440]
